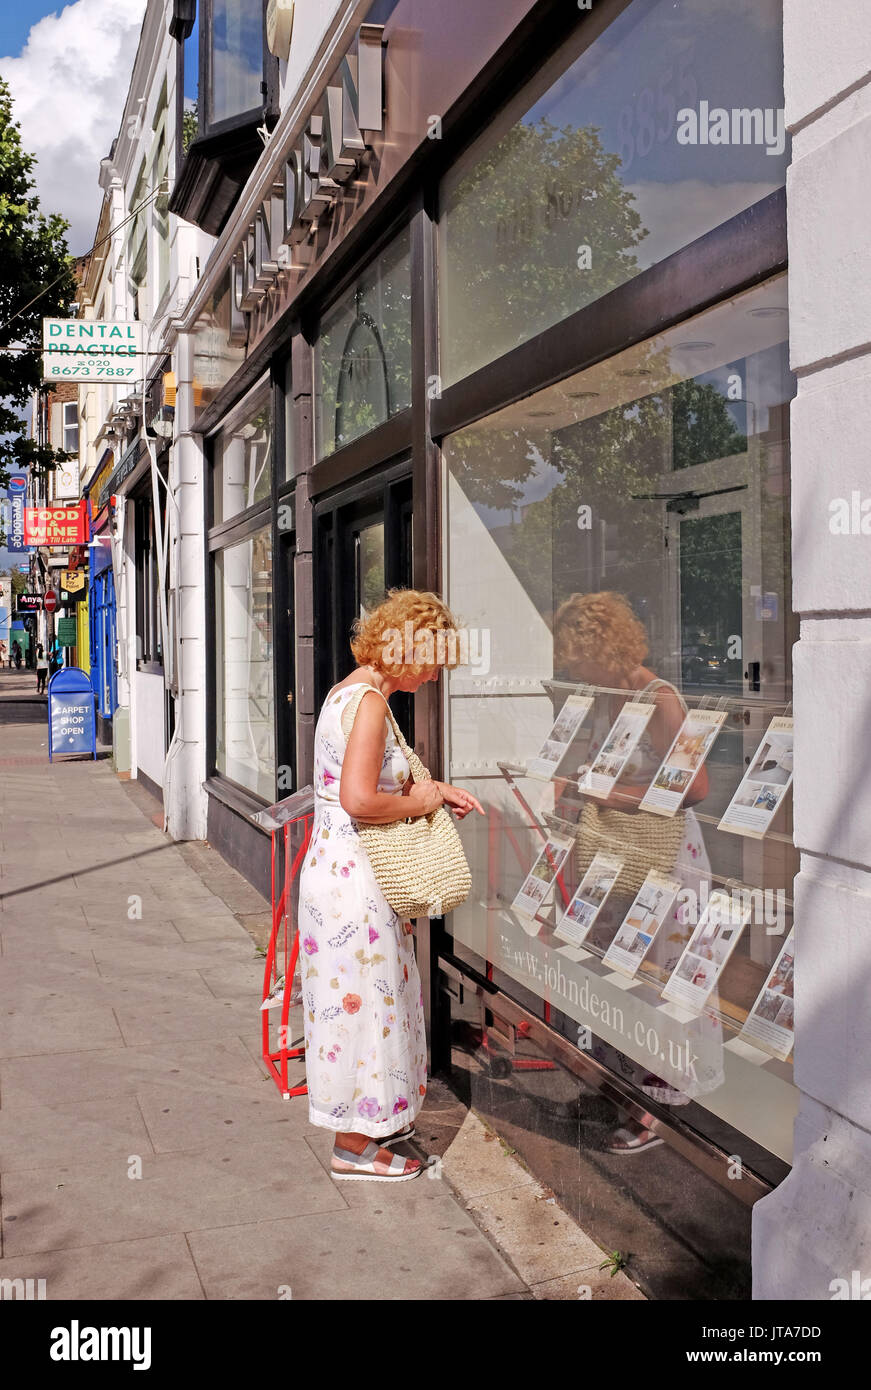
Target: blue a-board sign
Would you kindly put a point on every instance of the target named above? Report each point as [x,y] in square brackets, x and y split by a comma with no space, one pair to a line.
[71,727]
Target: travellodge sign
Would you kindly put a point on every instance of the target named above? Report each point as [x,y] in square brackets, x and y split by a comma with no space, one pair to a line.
[312,179]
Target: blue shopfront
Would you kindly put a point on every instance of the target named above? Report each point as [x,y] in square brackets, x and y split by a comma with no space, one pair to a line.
[102,625]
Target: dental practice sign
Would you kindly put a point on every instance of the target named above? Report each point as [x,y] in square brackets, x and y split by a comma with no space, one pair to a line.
[91,350]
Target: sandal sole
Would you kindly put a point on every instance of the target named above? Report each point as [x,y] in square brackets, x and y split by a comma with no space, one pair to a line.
[375,1177]
[397,1139]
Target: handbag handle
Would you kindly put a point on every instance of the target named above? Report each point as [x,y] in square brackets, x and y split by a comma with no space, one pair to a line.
[415,766]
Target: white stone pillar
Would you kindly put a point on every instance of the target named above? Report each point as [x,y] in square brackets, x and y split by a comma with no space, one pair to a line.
[184,799]
[816,1227]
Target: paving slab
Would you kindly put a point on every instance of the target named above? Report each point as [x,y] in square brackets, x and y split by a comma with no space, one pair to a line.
[368,1253]
[208,1064]
[45,1136]
[229,1184]
[25,1033]
[159,1268]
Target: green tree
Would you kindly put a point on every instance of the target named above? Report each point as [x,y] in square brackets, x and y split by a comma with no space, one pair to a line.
[33,254]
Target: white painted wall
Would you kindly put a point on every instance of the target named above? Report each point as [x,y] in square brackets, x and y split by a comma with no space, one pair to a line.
[816,1227]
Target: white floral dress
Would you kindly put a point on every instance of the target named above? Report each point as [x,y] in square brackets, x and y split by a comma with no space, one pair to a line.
[364,1026]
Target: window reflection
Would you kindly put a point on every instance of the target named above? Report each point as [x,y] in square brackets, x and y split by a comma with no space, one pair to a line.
[596,172]
[363,352]
[624,538]
[245,742]
[242,471]
[237,58]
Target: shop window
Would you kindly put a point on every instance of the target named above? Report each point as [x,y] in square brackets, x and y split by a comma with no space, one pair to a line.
[244,704]
[630,525]
[242,468]
[363,352]
[219,337]
[149,643]
[619,153]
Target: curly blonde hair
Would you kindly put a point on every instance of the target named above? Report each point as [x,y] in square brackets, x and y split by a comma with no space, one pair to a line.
[409,623]
[600,628]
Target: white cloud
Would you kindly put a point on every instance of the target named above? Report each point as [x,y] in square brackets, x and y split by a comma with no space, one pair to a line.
[68,87]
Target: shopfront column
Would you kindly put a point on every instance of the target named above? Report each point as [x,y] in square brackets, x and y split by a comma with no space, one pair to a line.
[186,802]
[811,1235]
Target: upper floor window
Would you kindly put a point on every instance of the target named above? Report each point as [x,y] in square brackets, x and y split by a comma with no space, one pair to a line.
[71,427]
[235,59]
[227,81]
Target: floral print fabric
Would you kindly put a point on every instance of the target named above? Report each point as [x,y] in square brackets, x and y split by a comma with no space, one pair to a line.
[362,999]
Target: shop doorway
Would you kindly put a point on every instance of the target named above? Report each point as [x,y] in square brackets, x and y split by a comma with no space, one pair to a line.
[363,548]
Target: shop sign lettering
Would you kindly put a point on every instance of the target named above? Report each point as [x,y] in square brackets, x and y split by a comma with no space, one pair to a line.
[56,526]
[313,176]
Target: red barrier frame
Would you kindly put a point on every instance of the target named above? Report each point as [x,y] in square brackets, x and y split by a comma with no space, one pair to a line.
[276,1062]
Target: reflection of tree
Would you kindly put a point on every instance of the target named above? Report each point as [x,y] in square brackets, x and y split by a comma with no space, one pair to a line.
[703,427]
[607,463]
[516,222]
[364,351]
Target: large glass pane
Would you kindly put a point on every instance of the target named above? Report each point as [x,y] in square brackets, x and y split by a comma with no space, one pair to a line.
[363,352]
[237,58]
[219,336]
[242,469]
[244,700]
[627,528]
[670,123]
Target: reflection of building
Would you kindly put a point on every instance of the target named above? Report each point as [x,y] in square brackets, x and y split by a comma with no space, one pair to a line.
[355,377]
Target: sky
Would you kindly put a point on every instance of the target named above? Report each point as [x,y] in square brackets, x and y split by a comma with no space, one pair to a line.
[68,68]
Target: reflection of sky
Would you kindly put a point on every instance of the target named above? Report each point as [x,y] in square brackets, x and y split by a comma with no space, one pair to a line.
[191,63]
[662,55]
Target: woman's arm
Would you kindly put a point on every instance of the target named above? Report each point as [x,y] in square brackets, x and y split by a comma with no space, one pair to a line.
[361,767]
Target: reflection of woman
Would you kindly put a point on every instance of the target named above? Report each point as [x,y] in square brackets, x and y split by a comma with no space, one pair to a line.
[364,1029]
[599,641]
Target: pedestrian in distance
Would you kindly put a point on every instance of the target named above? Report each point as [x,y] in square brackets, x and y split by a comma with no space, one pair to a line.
[16,655]
[41,669]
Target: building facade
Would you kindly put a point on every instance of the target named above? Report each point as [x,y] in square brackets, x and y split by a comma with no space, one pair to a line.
[494,300]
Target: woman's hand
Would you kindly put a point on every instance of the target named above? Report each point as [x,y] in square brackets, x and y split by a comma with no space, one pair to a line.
[459,800]
[424,798]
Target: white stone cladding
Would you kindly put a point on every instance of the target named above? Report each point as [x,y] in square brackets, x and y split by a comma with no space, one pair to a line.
[815,1228]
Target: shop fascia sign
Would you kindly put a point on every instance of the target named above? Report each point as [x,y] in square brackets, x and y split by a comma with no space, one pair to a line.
[313,176]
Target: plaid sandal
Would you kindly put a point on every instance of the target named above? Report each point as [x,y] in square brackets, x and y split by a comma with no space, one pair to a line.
[361,1167]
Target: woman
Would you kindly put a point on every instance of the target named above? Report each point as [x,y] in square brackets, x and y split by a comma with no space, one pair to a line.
[41,669]
[364,1026]
[598,640]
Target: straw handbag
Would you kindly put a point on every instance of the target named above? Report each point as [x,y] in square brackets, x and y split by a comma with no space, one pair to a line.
[643,841]
[418,862]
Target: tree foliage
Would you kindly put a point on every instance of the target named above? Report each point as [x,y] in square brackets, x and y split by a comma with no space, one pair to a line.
[33,254]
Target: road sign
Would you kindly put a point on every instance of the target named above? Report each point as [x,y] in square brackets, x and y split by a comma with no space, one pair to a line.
[71,726]
[49,602]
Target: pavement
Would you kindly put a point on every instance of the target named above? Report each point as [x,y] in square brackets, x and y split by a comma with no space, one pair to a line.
[144,1151]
